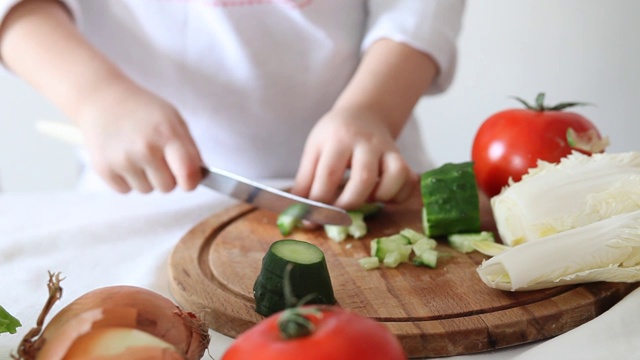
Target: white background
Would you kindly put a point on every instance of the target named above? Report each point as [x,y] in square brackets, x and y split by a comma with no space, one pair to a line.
[574,50]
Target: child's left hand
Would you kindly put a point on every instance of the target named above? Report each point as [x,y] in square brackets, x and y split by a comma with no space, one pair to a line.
[358,142]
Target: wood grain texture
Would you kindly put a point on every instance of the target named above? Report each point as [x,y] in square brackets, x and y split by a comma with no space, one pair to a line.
[434,312]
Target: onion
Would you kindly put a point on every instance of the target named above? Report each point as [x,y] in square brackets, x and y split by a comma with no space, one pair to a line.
[116,322]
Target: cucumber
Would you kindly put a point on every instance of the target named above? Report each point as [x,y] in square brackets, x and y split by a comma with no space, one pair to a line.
[358,227]
[424,245]
[369,263]
[464,243]
[450,200]
[291,218]
[428,257]
[383,245]
[412,235]
[309,276]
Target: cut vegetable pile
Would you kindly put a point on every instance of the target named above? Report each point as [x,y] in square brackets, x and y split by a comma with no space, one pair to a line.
[573,222]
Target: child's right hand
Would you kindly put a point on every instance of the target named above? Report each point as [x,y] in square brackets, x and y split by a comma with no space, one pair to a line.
[137,141]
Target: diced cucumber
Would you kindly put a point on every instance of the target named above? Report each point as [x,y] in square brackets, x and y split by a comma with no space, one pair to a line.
[369,263]
[337,233]
[428,258]
[383,245]
[424,245]
[405,252]
[309,276]
[450,200]
[357,229]
[412,235]
[392,259]
[290,218]
[464,242]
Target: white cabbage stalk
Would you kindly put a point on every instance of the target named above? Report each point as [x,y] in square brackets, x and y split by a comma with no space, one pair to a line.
[607,250]
[579,190]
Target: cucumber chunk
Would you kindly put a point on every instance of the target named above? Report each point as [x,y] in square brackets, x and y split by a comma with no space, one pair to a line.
[450,200]
[309,276]
[383,245]
[369,263]
[392,259]
[428,258]
[290,218]
[424,245]
[412,235]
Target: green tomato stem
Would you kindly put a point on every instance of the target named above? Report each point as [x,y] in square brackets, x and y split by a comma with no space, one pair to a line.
[540,106]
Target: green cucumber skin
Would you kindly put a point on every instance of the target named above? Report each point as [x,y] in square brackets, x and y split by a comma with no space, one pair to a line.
[306,279]
[450,199]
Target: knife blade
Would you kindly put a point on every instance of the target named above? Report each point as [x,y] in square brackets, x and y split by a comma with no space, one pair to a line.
[230,184]
[270,198]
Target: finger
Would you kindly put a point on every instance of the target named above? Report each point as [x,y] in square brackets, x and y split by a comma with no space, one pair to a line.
[409,190]
[306,171]
[185,163]
[137,179]
[329,172]
[115,181]
[393,176]
[362,180]
[160,175]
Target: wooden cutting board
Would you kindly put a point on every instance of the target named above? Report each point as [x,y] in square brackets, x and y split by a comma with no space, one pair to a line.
[434,312]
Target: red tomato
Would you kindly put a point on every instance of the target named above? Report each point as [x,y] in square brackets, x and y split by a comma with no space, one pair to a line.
[511,142]
[337,334]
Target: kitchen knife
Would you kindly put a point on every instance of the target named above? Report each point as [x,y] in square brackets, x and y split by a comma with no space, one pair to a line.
[230,184]
[272,199]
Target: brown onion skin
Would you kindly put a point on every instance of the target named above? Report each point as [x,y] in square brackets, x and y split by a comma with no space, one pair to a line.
[128,306]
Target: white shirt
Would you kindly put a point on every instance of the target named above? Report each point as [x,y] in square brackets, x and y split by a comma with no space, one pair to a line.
[251,77]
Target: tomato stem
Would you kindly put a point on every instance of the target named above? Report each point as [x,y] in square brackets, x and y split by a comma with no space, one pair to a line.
[540,106]
[294,322]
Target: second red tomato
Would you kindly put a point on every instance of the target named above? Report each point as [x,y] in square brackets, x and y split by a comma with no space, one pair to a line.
[511,142]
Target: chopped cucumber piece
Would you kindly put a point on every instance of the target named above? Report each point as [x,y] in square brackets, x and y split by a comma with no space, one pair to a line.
[464,242]
[424,245]
[290,218]
[428,258]
[392,259]
[383,245]
[298,252]
[405,252]
[357,229]
[369,263]
[412,235]
[337,233]
[308,277]
[450,200]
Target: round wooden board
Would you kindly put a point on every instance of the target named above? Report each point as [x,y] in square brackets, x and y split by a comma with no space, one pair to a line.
[434,312]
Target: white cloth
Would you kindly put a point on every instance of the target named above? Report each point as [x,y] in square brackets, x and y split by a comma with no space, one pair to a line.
[252,77]
[101,239]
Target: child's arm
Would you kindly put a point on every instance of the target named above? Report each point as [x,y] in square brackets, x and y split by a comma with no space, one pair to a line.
[359,132]
[135,139]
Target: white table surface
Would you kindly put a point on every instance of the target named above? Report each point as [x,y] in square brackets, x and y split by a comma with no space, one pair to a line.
[101,239]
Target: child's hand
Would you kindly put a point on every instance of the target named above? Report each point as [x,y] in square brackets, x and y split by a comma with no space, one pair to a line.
[138,141]
[363,144]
